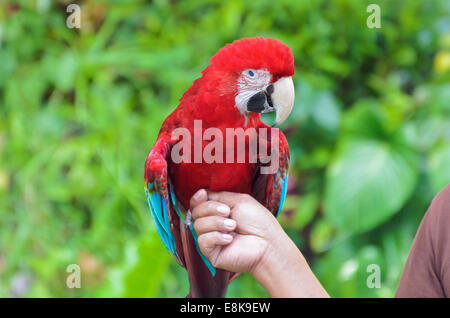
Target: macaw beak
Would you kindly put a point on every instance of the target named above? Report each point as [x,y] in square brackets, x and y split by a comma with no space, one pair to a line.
[283,99]
[278,97]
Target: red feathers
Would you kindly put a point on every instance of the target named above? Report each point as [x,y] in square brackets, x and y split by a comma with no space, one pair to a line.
[255,53]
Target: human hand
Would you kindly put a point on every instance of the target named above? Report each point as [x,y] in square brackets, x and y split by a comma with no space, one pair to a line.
[234,230]
[238,234]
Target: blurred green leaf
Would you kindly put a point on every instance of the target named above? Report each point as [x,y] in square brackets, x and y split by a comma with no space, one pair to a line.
[142,272]
[439,165]
[365,120]
[145,277]
[317,105]
[306,209]
[439,97]
[320,235]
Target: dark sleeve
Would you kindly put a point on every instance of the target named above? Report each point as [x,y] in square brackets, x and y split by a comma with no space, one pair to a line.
[427,270]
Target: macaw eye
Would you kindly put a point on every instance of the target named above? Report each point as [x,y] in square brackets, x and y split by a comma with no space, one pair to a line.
[250,73]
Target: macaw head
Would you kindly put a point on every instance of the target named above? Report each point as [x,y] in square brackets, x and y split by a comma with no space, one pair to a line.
[257,73]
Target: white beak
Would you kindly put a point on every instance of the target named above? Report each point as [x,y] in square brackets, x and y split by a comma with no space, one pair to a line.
[283,99]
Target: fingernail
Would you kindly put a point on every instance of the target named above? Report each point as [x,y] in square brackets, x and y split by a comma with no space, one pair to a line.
[229,223]
[223,209]
[227,237]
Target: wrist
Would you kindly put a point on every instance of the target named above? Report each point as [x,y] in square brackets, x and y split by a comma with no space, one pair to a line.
[267,267]
[283,271]
[275,239]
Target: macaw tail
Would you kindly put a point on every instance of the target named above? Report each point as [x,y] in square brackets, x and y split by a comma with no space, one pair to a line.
[202,283]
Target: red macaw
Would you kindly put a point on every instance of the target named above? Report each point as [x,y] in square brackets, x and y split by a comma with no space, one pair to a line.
[245,78]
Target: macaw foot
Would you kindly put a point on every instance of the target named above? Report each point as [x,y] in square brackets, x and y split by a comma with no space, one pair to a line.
[188,219]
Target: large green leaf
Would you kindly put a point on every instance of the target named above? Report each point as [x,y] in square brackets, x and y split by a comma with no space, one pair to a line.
[367,183]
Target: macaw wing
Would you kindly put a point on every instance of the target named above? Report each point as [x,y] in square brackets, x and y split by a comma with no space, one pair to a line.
[159,207]
[162,210]
[159,196]
[168,213]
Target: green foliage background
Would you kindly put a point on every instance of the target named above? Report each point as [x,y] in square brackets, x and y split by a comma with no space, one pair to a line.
[80,109]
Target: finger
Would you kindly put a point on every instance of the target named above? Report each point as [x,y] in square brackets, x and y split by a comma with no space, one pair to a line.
[198,197]
[214,223]
[229,198]
[208,241]
[210,208]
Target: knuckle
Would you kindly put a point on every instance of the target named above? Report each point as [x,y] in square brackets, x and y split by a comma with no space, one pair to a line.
[211,207]
[201,241]
[201,210]
[214,262]
[244,197]
[195,213]
[199,225]
[219,222]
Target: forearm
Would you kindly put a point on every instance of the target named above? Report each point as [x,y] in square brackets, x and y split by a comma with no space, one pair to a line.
[284,272]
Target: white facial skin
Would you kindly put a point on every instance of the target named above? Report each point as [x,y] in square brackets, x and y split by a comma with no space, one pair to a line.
[251,82]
